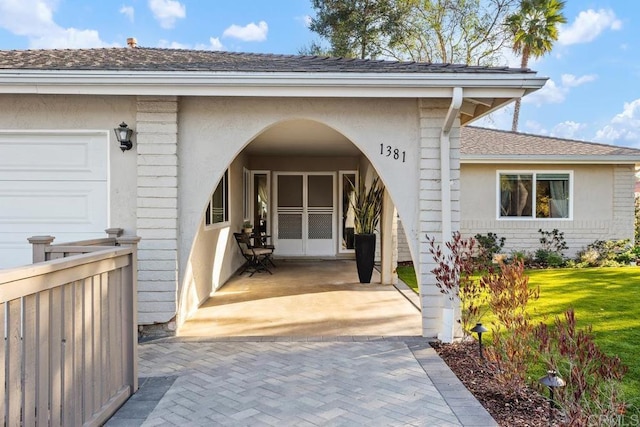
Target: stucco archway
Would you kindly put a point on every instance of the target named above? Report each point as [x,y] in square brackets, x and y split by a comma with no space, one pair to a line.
[317,142]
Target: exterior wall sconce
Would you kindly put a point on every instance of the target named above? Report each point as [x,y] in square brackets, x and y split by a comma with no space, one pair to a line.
[479,329]
[553,381]
[123,134]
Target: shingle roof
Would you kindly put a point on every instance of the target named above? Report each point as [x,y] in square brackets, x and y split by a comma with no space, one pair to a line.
[476,142]
[152,59]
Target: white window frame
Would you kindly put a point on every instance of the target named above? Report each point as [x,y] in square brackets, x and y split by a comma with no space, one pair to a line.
[208,220]
[533,173]
[246,195]
[341,212]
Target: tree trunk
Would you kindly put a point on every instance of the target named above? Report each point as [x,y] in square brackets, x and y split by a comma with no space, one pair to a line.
[516,115]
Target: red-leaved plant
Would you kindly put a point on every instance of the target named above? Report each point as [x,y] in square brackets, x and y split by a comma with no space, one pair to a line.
[512,350]
[591,395]
[454,277]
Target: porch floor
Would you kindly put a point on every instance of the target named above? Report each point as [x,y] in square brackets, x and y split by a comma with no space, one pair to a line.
[305,298]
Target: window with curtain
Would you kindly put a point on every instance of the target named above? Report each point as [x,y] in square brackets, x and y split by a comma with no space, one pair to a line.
[218,208]
[534,195]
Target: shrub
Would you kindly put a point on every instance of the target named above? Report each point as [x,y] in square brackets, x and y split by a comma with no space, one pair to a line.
[607,253]
[592,378]
[488,246]
[552,245]
[511,351]
[454,277]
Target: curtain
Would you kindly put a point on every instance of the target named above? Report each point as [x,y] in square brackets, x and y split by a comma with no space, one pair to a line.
[559,203]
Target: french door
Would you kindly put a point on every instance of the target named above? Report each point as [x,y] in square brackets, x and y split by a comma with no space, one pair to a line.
[305,217]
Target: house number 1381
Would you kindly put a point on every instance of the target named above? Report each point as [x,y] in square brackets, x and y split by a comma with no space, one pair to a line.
[389,151]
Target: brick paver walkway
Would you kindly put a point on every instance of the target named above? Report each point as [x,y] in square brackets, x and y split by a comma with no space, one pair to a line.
[280,381]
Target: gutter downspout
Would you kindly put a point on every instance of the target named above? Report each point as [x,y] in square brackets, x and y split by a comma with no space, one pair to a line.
[445,162]
[448,313]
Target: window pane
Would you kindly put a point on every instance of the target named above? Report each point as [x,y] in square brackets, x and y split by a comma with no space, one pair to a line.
[516,195]
[219,210]
[552,198]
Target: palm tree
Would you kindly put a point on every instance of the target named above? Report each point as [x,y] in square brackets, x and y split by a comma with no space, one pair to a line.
[534,29]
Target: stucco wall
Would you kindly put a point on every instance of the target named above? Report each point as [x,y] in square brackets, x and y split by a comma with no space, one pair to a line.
[212,132]
[603,206]
[56,112]
[214,254]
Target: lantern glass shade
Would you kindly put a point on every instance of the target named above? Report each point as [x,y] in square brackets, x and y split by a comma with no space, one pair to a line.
[123,134]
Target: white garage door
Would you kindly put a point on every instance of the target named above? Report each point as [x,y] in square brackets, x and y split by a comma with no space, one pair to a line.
[51,183]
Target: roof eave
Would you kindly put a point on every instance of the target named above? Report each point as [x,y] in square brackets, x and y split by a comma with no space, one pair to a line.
[266,84]
[549,159]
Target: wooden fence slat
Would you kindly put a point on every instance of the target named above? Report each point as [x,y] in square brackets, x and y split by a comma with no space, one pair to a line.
[30,364]
[105,372]
[3,361]
[55,357]
[78,369]
[116,379]
[89,390]
[44,352]
[14,370]
[97,343]
[68,352]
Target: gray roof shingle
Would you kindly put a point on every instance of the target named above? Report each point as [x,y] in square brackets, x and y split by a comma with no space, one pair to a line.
[476,141]
[153,59]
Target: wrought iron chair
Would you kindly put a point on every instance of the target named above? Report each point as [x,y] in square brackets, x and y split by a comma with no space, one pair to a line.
[256,257]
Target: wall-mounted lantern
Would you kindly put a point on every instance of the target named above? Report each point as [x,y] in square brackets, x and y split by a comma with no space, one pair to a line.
[123,134]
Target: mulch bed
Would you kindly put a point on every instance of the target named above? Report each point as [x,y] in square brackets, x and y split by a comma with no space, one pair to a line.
[528,408]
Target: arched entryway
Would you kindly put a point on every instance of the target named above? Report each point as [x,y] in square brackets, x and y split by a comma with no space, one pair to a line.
[289,181]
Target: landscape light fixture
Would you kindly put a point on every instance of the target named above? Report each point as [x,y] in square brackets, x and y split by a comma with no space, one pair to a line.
[479,329]
[553,381]
[123,134]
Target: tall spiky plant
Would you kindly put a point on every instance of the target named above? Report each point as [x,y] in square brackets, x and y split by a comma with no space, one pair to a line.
[367,205]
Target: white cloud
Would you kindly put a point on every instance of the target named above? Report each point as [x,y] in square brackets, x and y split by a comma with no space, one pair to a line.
[534,127]
[128,12]
[214,44]
[166,12]
[623,128]
[305,19]
[34,19]
[569,80]
[569,130]
[249,33]
[588,25]
[549,94]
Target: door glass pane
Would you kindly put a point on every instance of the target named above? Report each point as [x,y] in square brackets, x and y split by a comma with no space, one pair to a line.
[261,202]
[320,190]
[347,210]
[290,190]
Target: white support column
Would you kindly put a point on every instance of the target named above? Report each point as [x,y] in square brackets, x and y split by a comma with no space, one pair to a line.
[157,208]
[388,245]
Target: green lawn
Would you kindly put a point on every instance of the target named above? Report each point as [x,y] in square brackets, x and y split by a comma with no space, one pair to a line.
[606,298]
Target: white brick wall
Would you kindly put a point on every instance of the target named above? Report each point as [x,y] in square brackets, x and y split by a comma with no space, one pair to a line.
[157,208]
[432,115]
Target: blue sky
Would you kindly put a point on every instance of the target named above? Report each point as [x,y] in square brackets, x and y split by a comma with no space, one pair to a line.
[594,70]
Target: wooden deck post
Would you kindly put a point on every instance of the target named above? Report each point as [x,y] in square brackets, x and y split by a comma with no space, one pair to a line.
[39,245]
[130,305]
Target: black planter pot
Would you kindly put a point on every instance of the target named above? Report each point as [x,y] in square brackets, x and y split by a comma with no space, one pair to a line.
[365,253]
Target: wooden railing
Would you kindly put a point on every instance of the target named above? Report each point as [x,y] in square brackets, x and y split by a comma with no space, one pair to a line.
[69,355]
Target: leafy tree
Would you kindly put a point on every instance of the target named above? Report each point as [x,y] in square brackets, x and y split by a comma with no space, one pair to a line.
[534,28]
[439,31]
[360,28]
[457,31]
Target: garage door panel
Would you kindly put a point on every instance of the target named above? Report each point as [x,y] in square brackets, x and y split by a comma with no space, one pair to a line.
[52,207]
[53,156]
[51,183]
